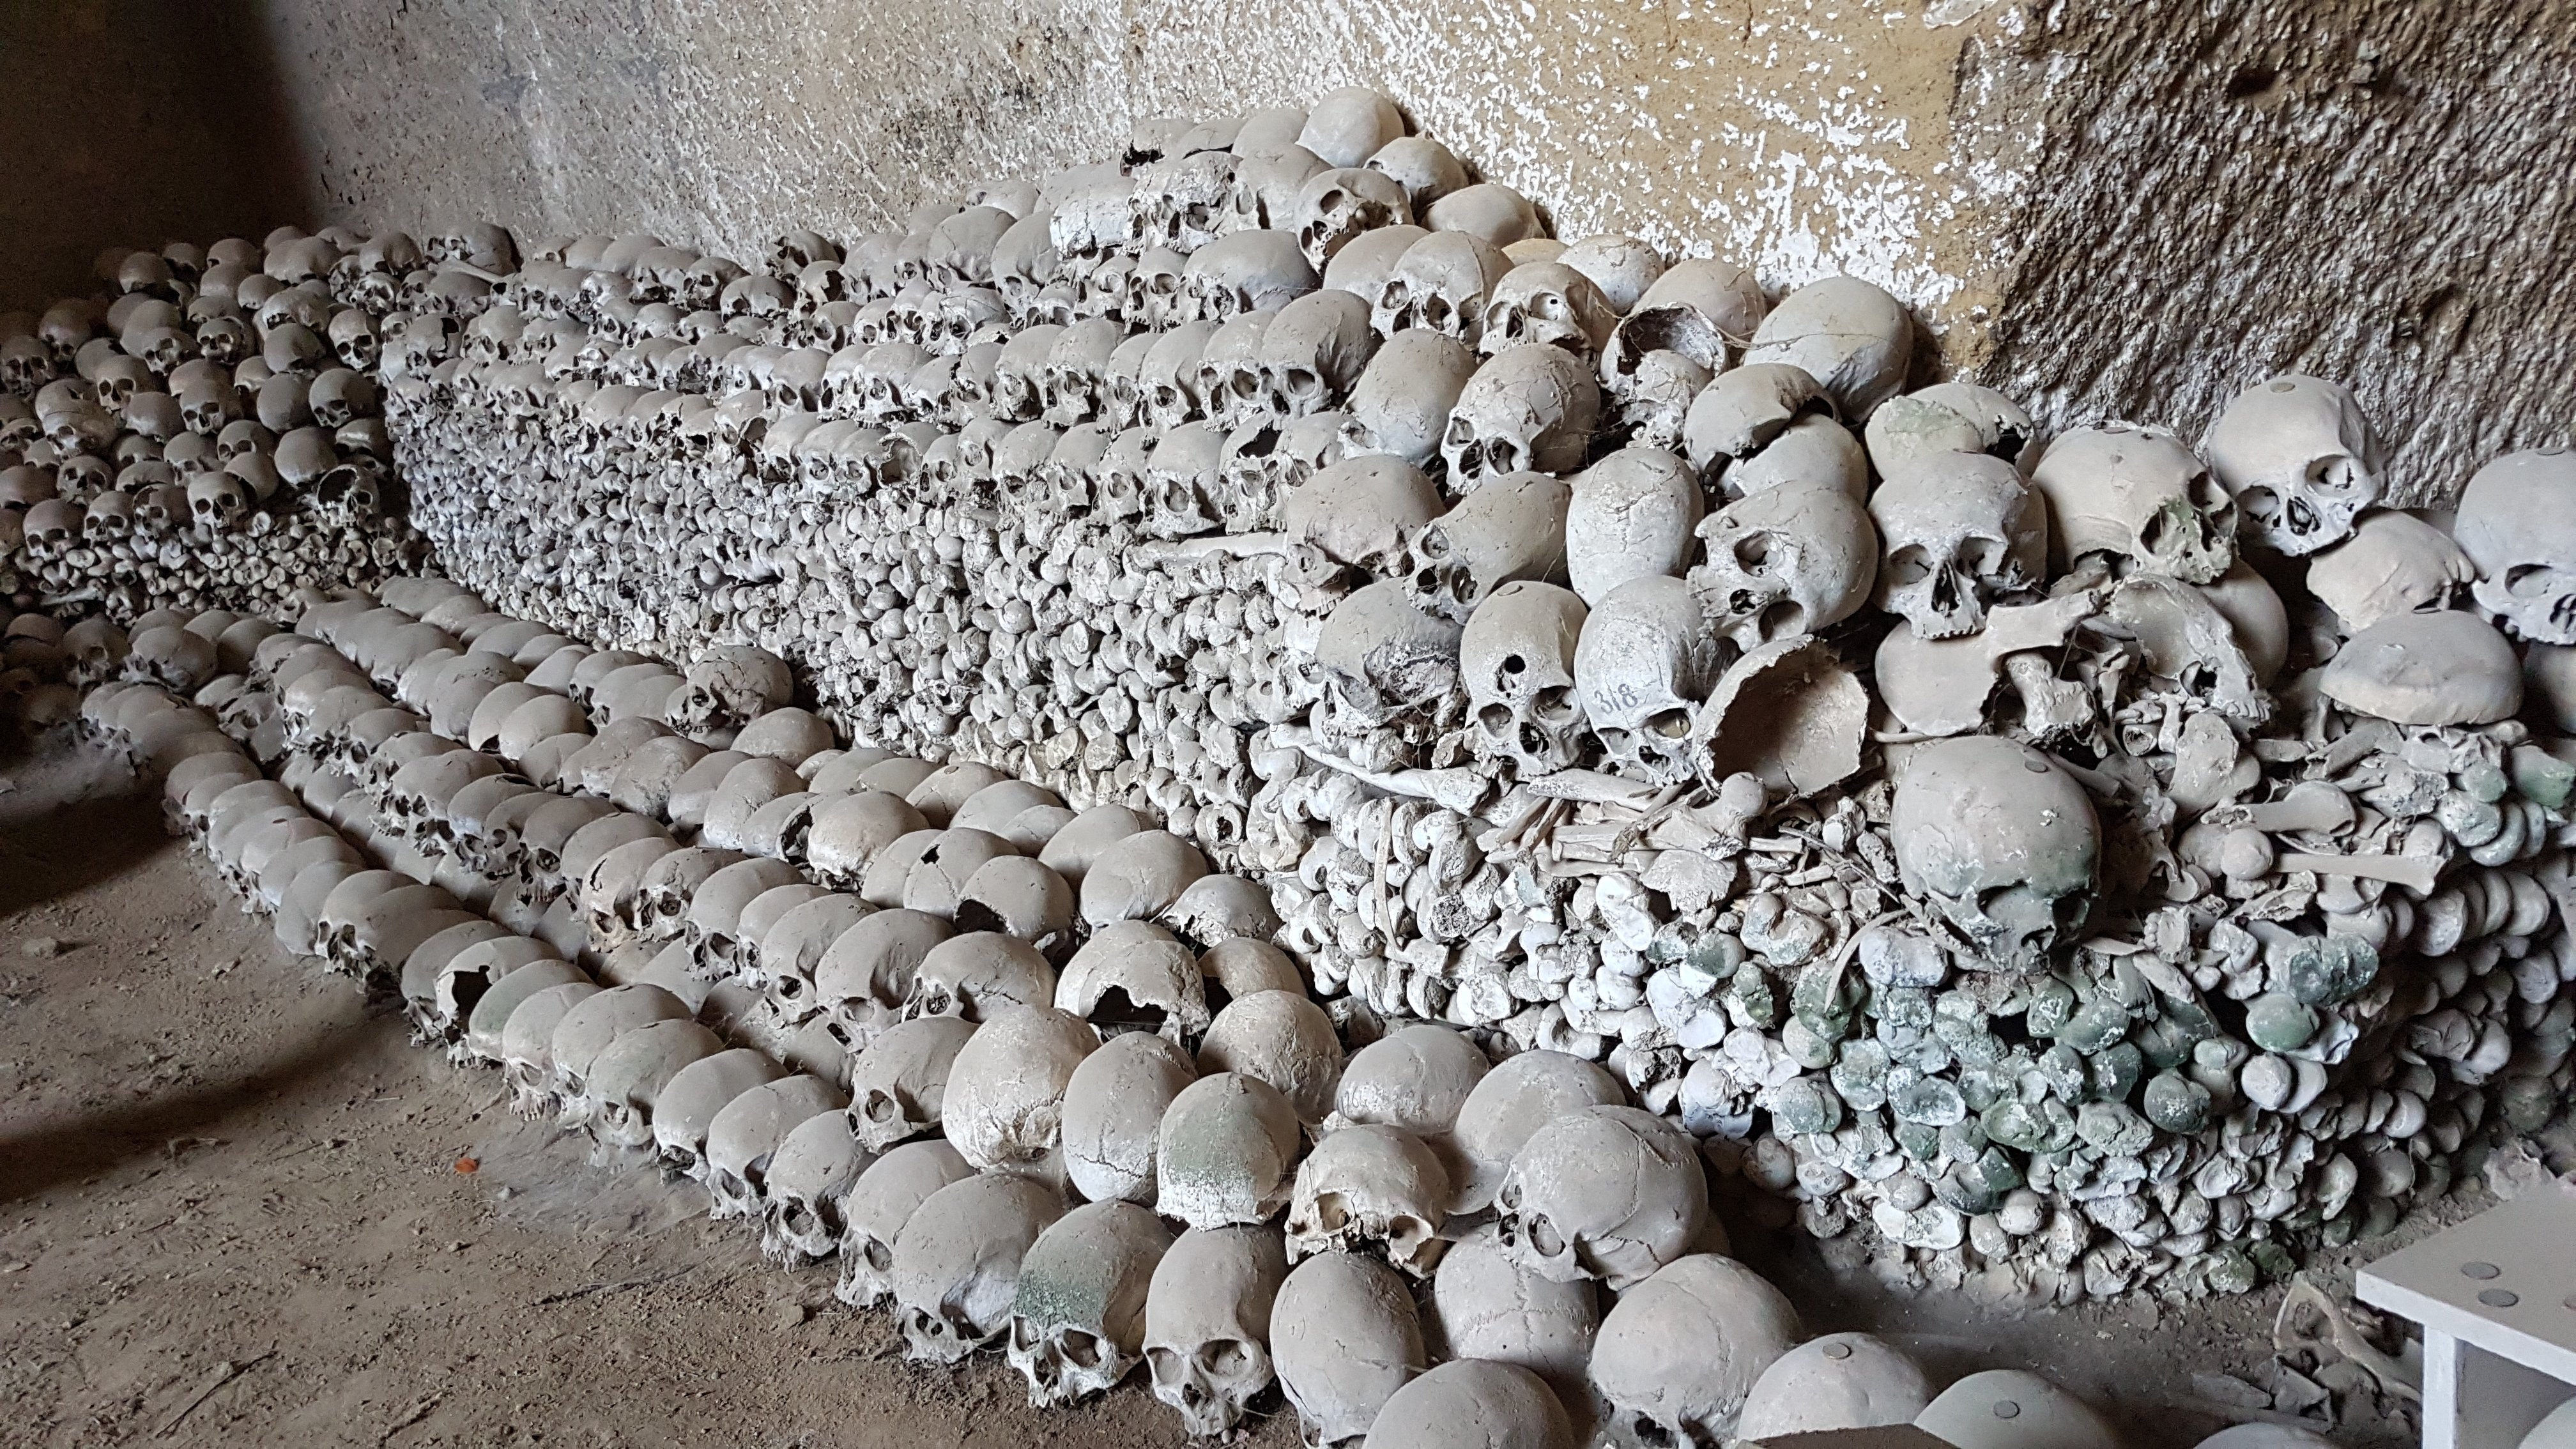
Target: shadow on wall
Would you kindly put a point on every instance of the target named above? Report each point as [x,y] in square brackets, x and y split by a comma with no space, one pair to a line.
[135,123]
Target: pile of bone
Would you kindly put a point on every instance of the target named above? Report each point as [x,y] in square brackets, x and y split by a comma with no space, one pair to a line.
[210,436]
[1418,1247]
[2072,865]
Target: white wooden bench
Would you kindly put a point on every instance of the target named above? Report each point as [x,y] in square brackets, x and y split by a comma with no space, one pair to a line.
[2496,1297]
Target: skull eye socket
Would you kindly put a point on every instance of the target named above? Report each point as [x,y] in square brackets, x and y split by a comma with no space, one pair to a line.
[1081,1349]
[1753,552]
[1672,724]
[1496,719]
[1909,566]
[1225,1357]
[2531,581]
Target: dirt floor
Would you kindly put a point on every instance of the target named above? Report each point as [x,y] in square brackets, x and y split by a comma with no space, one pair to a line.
[233,1209]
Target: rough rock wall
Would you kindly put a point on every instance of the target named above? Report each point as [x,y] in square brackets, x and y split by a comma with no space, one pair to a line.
[2111,210]
[1801,142]
[131,125]
[2377,191]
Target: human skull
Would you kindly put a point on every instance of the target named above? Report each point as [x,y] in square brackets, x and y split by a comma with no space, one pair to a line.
[1630,516]
[1531,406]
[1476,1401]
[899,1081]
[1656,407]
[1785,561]
[1516,658]
[1443,283]
[627,1077]
[2442,669]
[1281,1037]
[1371,1185]
[1507,529]
[1644,665]
[1344,1336]
[1509,1104]
[1382,658]
[1207,1323]
[1078,1308]
[2001,841]
[1005,1100]
[1854,339]
[1224,1152]
[1698,308]
[746,1134]
[813,1170]
[1113,1108]
[1402,401]
[1362,510]
[1678,1354]
[1335,206]
[2394,563]
[969,975]
[2300,459]
[1838,1381]
[1613,1193]
[2514,523]
[1137,877]
[876,1208]
[2006,1408]
[728,688]
[1314,351]
[1957,533]
[956,1262]
[1550,303]
[861,979]
[2138,494]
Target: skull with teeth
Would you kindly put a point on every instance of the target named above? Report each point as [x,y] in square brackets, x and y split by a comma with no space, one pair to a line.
[2300,459]
[1207,1323]
[1957,531]
[1078,1307]
[956,1262]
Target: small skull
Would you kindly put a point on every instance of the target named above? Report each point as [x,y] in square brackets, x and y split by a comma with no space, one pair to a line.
[1207,1323]
[2137,494]
[1516,658]
[1643,667]
[1531,406]
[1786,561]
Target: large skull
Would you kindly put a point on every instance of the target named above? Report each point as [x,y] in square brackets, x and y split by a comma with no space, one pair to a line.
[956,1265]
[2394,563]
[1344,1336]
[1314,351]
[876,1208]
[1517,660]
[1401,403]
[1854,339]
[2301,460]
[1113,1109]
[1630,517]
[1613,1193]
[2138,494]
[1957,532]
[1207,1323]
[1643,667]
[2517,522]
[1679,1354]
[1530,407]
[1078,1309]
[2001,841]
[1786,561]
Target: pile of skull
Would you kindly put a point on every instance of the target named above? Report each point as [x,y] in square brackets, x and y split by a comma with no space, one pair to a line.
[983,1050]
[211,437]
[1505,607]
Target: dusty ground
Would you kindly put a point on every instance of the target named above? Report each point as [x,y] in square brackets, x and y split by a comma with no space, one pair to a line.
[231,1211]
